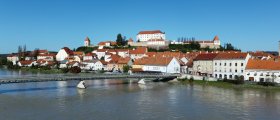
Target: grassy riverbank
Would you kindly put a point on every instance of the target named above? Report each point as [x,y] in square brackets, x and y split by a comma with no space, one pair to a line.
[229,85]
[50,71]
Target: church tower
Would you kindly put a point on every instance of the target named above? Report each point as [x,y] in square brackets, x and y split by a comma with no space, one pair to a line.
[216,40]
[87,42]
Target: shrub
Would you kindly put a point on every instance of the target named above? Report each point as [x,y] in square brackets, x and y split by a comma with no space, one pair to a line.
[65,70]
[267,83]
[191,79]
[75,69]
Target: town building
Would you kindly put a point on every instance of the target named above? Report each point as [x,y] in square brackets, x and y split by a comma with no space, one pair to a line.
[263,70]
[144,36]
[101,45]
[157,64]
[230,65]
[203,64]
[213,44]
[138,52]
[64,53]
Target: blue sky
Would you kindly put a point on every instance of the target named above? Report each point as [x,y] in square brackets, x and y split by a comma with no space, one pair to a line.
[52,24]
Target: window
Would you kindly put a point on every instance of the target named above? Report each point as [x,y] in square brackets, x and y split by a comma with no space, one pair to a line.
[236,71]
[220,64]
[241,71]
[235,64]
[241,64]
[215,63]
[225,64]
[229,64]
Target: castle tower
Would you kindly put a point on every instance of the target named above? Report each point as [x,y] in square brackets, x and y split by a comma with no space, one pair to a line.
[216,40]
[87,42]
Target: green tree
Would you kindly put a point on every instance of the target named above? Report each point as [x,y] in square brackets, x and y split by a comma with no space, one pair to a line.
[119,40]
[86,49]
[126,68]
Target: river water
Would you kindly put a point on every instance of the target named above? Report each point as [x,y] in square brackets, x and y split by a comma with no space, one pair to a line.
[126,100]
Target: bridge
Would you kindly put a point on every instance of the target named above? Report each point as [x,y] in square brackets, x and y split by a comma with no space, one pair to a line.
[45,78]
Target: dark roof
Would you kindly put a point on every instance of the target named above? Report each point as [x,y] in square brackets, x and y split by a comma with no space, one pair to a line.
[206,56]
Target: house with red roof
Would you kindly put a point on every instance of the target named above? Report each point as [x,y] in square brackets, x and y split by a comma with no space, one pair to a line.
[27,63]
[103,44]
[138,52]
[157,64]
[64,53]
[144,36]
[124,62]
[258,70]
[230,65]
[47,57]
[203,64]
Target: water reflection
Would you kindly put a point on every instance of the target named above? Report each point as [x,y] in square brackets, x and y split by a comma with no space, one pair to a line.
[126,100]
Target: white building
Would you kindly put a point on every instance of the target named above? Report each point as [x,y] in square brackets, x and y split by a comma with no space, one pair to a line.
[64,53]
[47,57]
[144,36]
[138,53]
[230,65]
[100,53]
[263,71]
[93,65]
[159,64]
[157,42]
[13,58]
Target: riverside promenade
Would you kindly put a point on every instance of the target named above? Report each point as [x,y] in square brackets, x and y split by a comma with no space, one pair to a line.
[78,77]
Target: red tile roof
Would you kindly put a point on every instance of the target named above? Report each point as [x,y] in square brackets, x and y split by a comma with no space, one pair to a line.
[208,56]
[150,32]
[216,38]
[158,61]
[26,62]
[68,51]
[48,55]
[123,60]
[232,55]
[263,64]
[139,50]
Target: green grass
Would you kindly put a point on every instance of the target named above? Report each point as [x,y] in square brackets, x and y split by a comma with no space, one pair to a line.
[51,71]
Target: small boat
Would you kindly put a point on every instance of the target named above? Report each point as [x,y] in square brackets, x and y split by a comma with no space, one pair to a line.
[81,85]
[142,81]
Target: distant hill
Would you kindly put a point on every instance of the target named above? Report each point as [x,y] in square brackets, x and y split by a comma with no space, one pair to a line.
[275,53]
[3,55]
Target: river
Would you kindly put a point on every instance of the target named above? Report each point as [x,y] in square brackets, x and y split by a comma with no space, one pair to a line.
[126,100]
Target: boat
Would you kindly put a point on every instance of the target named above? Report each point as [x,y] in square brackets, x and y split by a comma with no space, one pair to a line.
[142,81]
[81,85]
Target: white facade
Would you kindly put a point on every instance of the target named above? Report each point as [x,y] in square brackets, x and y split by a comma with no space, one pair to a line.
[61,55]
[263,75]
[172,67]
[45,57]
[203,66]
[144,37]
[93,65]
[100,53]
[156,42]
[13,59]
[229,68]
